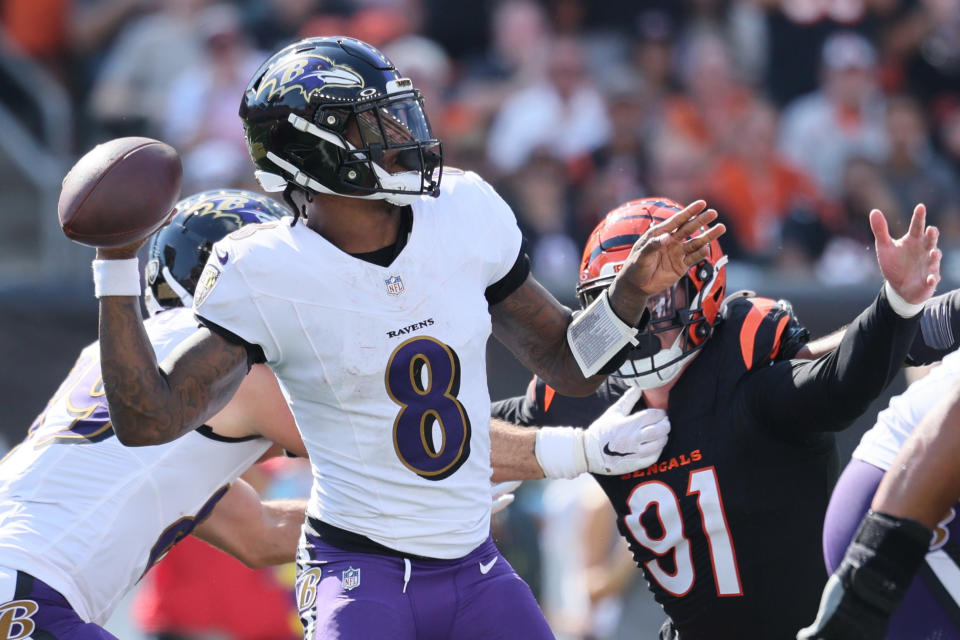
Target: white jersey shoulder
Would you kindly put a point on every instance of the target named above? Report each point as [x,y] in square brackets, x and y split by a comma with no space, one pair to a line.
[879,445]
[89,516]
[384,367]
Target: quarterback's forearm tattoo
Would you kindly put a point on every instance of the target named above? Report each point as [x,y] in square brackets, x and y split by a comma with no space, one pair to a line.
[147,405]
[533,325]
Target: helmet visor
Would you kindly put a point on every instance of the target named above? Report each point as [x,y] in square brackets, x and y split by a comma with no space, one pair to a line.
[393,123]
[662,306]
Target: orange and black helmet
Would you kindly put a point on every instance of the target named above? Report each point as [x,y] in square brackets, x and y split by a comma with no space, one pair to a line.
[692,305]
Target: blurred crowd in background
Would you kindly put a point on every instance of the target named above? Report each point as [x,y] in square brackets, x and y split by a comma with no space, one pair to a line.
[793,118]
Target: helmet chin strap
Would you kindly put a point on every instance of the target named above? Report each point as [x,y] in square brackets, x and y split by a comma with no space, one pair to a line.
[153,307]
[185,297]
[661,374]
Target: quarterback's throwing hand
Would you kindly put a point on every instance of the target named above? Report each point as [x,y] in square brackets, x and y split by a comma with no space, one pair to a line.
[911,263]
[620,441]
[661,256]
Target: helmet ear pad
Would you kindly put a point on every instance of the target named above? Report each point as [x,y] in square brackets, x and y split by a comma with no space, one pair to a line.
[178,253]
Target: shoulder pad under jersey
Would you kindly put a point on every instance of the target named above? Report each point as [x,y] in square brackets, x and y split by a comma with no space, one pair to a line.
[764,329]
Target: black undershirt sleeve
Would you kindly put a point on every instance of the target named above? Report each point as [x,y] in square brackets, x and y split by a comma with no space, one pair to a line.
[828,394]
[939,328]
[255,353]
[519,410]
[499,290]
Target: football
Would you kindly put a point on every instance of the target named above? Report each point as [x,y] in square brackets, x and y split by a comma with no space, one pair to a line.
[119,192]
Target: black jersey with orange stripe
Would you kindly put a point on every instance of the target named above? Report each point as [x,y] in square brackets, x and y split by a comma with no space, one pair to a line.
[727,524]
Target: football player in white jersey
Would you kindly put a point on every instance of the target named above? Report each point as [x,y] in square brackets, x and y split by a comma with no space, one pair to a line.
[83,517]
[898,497]
[373,305]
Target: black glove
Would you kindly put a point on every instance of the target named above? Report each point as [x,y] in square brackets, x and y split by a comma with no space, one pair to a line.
[871,581]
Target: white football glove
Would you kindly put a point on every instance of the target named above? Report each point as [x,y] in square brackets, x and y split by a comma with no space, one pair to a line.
[501,495]
[617,442]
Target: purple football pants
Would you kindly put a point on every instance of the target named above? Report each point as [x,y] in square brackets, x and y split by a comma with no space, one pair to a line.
[928,611]
[32,610]
[346,595]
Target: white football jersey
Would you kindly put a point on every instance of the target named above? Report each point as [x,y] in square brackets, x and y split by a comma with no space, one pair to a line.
[384,367]
[879,445]
[89,516]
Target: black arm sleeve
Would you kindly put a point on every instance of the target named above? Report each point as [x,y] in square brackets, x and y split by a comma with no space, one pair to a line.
[939,328]
[255,353]
[499,290]
[829,393]
[542,406]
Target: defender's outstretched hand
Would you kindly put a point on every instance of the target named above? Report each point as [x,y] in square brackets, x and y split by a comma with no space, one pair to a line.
[911,264]
[661,256]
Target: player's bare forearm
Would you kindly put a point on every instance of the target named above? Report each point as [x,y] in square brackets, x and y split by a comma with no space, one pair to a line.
[512,452]
[147,405]
[923,482]
[259,534]
[821,346]
[533,325]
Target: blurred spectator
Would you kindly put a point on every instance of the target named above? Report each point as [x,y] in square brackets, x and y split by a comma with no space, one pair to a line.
[92,28]
[425,62]
[796,31]
[461,28]
[653,51]
[677,170]
[37,28]
[617,170]
[540,195]
[516,57]
[924,42]
[949,135]
[845,117]
[774,210]
[846,258]
[564,113]
[200,118]
[130,92]
[715,102]
[914,173]
[275,23]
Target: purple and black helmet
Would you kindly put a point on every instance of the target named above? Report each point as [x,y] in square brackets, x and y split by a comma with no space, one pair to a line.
[321,114]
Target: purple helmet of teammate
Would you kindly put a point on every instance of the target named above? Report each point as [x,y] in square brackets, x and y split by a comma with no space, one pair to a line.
[179,251]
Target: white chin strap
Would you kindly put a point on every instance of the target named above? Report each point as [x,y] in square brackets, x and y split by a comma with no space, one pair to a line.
[178,289]
[402,181]
[654,379]
[154,307]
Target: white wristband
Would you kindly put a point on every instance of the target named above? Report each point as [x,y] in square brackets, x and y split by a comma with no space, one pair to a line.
[560,452]
[116,277]
[597,334]
[902,308]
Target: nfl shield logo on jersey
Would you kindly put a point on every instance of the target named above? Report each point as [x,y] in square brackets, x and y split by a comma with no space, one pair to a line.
[350,579]
[394,285]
